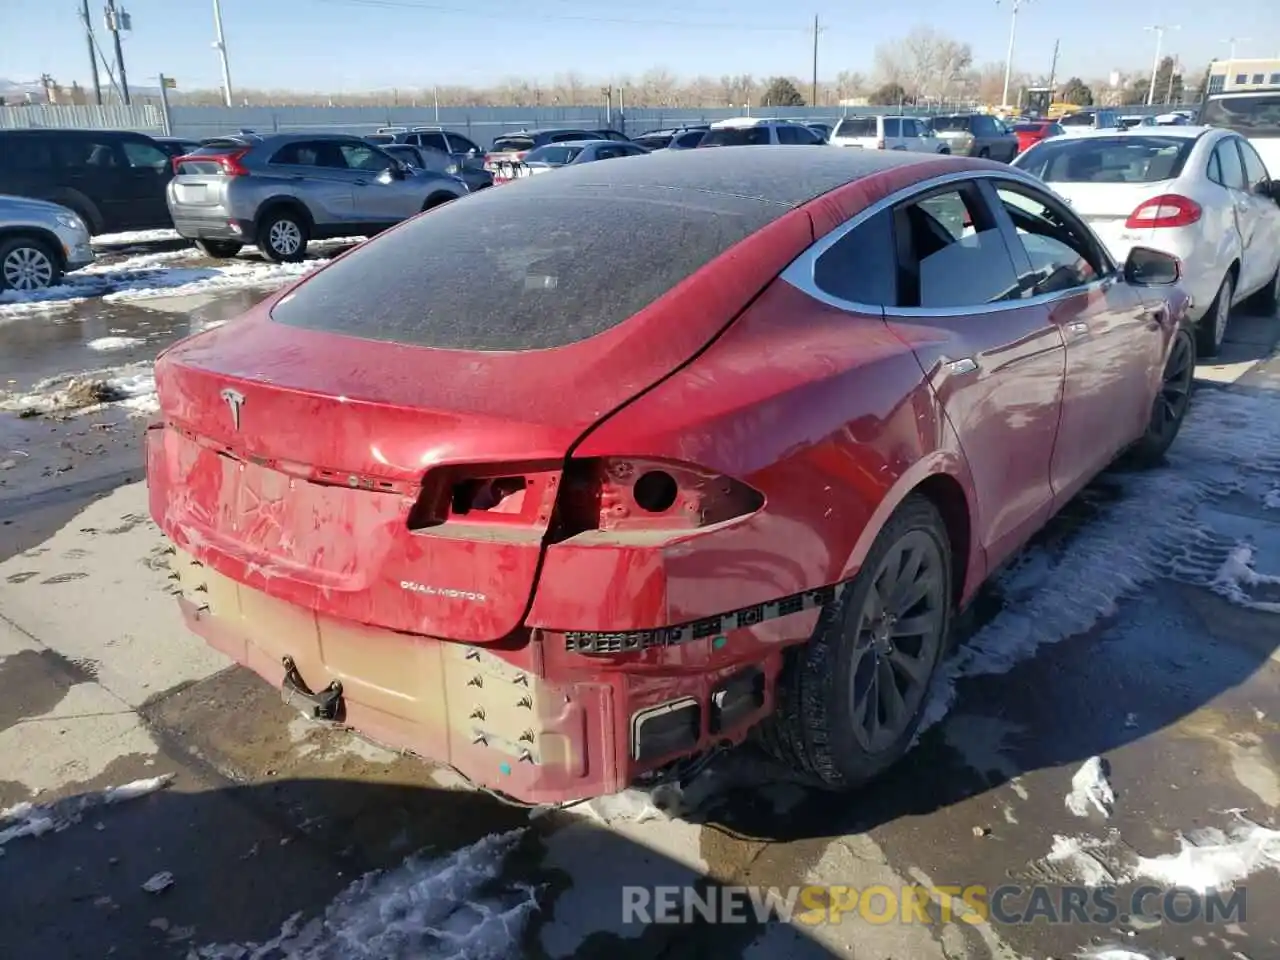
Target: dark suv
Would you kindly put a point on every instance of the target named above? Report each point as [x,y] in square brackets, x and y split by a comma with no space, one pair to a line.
[113,179]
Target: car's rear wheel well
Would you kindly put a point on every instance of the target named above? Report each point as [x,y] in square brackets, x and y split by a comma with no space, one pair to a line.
[280,205]
[437,199]
[946,494]
[46,240]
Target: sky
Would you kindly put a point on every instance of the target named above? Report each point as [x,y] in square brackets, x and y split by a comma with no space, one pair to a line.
[350,45]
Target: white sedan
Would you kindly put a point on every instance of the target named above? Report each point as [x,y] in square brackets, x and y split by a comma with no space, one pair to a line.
[1200,193]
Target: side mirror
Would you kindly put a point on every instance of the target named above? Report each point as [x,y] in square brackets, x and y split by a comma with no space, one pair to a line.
[1151,268]
[1269,189]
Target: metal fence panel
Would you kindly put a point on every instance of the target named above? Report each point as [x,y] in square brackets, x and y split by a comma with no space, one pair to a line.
[143,117]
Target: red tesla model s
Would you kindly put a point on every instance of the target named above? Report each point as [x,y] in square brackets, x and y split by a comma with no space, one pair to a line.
[570,483]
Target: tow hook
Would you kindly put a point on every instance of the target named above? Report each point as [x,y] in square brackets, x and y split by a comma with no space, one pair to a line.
[325,705]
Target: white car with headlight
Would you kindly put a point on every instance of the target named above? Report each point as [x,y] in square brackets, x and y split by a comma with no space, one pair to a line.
[1199,193]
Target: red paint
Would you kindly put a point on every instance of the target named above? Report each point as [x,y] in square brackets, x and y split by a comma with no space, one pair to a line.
[1029,134]
[331,496]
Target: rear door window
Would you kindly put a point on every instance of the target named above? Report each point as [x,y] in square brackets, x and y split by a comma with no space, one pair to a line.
[790,135]
[91,153]
[1230,165]
[856,127]
[25,153]
[537,268]
[435,141]
[303,153]
[145,156]
[956,255]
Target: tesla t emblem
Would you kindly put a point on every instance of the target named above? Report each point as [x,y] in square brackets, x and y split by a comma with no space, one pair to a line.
[234,400]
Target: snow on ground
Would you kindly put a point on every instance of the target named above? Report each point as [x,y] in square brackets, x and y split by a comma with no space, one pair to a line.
[1236,576]
[132,386]
[113,343]
[1118,953]
[130,237]
[1230,443]
[32,820]
[1211,859]
[1090,789]
[422,910]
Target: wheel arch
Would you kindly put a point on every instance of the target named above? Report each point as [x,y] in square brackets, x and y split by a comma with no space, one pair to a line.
[273,204]
[46,238]
[438,198]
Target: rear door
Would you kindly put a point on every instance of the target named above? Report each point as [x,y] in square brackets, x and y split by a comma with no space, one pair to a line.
[149,171]
[314,171]
[94,164]
[1263,250]
[995,364]
[1114,343]
[893,139]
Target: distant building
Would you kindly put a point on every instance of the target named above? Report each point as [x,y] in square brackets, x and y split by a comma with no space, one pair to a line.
[1227,75]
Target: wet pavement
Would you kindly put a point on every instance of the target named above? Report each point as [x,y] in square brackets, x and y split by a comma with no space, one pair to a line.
[1140,628]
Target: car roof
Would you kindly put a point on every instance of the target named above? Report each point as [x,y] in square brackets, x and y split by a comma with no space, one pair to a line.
[750,175]
[1187,133]
[593,142]
[540,130]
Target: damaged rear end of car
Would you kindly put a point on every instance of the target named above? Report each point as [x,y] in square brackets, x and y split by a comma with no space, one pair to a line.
[370,483]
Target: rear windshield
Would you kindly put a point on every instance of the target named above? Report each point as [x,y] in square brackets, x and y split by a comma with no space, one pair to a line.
[534,269]
[856,127]
[1077,120]
[381,138]
[690,139]
[735,137]
[1128,159]
[554,154]
[654,143]
[511,145]
[1256,115]
[951,124]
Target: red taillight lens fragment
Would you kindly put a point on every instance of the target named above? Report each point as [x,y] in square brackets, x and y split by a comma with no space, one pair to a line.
[617,494]
[1166,210]
[228,164]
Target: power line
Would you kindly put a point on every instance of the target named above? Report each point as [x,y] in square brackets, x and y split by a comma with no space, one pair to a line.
[518,13]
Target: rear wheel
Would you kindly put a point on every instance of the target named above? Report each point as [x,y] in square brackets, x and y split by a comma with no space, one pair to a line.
[1171,403]
[282,237]
[851,699]
[437,200]
[984,154]
[27,263]
[1213,325]
[219,249]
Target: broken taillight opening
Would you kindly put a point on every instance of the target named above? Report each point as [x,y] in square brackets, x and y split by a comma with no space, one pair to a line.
[622,494]
[510,494]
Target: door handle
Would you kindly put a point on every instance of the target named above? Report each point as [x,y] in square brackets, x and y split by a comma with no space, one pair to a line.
[1078,329]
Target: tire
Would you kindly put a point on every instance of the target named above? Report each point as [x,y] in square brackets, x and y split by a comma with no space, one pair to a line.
[283,235]
[944,152]
[219,249]
[984,154]
[813,728]
[1171,404]
[437,200]
[1212,327]
[28,263]
[1268,298]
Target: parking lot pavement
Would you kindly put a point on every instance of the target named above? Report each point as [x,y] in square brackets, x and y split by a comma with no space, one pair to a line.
[1140,629]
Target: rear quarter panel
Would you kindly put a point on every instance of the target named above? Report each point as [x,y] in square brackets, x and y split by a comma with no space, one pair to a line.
[835,428]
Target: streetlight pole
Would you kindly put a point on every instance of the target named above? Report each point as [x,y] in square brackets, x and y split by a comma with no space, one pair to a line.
[1232,41]
[220,44]
[1014,6]
[1158,29]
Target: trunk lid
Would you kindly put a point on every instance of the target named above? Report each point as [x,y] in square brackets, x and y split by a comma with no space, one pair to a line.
[319,455]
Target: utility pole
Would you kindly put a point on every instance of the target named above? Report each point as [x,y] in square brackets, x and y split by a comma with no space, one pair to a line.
[1173,70]
[1014,6]
[49,85]
[220,44]
[1053,71]
[93,52]
[116,21]
[1159,30]
[813,92]
[1232,41]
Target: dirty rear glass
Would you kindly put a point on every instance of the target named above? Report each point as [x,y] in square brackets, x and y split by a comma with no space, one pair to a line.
[512,144]
[528,270]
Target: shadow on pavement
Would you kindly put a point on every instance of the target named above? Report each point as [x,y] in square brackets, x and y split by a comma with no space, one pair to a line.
[250,862]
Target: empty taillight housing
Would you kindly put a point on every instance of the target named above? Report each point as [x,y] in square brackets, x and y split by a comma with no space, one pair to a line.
[510,495]
[619,494]
[1166,210]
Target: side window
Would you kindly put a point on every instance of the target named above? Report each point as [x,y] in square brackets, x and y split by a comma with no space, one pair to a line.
[563,137]
[789,135]
[984,126]
[25,153]
[1061,253]
[860,266]
[303,153]
[892,128]
[1215,169]
[90,153]
[142,155]
[1255,171]
[954,254]
[1229,160]
[360,157]
[435,141]
[610,153]
[462,144]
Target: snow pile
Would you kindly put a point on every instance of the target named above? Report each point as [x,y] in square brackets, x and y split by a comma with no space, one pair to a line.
[1211,859]
[421,910]
[130,237]
[70,394]
[31,820]
[1272,499]
[1113,952]
[1081,859]
[113,343]
[1090,789]
[1228,441]
[1236,575]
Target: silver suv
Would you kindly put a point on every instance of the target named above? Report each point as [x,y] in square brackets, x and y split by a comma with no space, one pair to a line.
[39,242]
[280,191]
